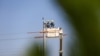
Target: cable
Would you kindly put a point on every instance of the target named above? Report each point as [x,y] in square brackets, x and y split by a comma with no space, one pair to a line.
[15,39]
[11,33]
[19,33]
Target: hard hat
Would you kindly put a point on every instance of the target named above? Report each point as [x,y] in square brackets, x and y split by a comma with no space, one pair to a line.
[52,20]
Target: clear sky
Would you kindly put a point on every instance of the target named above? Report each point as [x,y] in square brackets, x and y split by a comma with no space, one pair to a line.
[17,17]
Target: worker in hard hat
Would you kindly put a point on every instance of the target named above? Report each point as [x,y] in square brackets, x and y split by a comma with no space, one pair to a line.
[45,24]
[52,24]
[48,24]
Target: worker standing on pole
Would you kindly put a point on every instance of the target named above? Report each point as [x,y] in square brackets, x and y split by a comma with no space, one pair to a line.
[52,24]
[45,24]
[48,24]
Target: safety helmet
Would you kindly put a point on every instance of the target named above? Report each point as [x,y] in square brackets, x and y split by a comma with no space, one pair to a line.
[52,20]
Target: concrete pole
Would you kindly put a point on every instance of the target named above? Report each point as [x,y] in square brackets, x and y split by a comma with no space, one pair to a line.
[60,50]
[61,41]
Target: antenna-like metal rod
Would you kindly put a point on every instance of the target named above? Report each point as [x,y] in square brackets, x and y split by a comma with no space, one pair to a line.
[44,39]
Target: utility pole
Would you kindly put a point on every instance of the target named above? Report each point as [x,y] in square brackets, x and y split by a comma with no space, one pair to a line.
[51,32]
[60,48]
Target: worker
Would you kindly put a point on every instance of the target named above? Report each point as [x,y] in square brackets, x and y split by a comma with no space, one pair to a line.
[52,24]
[45,24]
[48,24]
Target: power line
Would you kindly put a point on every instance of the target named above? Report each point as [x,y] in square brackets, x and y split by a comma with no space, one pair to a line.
[15,39]
[11,33]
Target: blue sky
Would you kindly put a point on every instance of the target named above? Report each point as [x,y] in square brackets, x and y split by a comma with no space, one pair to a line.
[17,17]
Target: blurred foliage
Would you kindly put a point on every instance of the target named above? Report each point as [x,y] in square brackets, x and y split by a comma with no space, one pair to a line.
[85,17]
[36,49]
